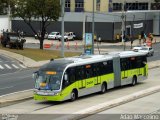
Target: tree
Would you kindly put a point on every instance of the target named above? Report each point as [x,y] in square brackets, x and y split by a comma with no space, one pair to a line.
[3,6]
[43,10]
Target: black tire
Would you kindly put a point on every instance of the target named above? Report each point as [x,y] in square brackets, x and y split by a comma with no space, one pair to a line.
[103,88]
[134,81]
[73,96]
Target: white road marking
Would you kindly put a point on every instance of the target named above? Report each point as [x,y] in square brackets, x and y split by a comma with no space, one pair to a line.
[6,87]
[22,66]
[8,66]
[15,66]
[1,67]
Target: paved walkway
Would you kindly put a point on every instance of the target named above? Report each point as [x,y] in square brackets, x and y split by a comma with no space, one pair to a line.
[32,63]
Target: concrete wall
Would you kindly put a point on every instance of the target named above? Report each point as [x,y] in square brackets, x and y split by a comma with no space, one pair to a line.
[4,23]
[88,5]
[148,27]
[72,5]
[104,6]
[156,24]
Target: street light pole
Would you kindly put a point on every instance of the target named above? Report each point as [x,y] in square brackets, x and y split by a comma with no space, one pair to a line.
[93,29]
[9,16]
[123,25]
[62,27]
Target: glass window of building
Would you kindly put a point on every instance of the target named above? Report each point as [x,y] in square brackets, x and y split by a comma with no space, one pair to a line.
[98,3]
[117,6]
[79,5]
[67,4]
[136,6]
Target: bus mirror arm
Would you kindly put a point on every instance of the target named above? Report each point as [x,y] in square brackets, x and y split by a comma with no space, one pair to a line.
[34,75]
[65,77]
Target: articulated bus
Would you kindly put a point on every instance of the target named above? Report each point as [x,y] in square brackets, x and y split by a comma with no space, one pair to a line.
[70,78]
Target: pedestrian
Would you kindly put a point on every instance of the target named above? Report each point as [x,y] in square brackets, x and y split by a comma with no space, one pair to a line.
[145,37]
[150,36]
[99,39]
[139,38]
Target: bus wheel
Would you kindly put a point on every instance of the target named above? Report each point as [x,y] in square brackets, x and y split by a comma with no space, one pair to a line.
[103,88]
[134,81]
[73,95]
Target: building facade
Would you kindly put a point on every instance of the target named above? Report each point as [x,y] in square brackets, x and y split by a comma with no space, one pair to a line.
[110,5]
[109,15]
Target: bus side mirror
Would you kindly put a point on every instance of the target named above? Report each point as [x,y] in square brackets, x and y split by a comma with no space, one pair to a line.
[65,77]
[34,75]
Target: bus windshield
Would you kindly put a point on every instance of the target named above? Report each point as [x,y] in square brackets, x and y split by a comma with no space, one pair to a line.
[48,80]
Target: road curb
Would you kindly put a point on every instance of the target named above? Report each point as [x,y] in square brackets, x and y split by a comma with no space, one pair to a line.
[113,103]
[11,98]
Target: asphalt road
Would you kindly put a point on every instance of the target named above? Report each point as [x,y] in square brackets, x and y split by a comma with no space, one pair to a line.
[141,109]
[9,65]
[16,81]
[14,76]
[52,110]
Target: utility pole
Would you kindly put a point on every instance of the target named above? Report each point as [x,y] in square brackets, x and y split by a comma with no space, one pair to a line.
[9,16]
[123,26]
[84,30]
[93,29]
[62,27]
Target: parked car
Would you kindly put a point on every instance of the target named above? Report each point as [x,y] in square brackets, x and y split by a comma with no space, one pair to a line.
[149,50]
[69,36]
[54,36]
[13,40]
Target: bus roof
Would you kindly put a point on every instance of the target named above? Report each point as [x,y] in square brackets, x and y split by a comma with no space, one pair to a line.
[87,59]
[55,64]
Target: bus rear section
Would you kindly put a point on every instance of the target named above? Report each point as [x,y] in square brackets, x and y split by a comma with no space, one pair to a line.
[129,68]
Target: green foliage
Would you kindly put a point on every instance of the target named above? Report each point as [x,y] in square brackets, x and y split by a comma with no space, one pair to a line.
[43,10]
[3,5]
[31,9]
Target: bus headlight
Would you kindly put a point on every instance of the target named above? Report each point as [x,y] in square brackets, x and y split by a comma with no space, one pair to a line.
[56,94]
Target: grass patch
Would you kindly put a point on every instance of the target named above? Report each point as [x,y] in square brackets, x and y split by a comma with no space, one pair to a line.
[39,55]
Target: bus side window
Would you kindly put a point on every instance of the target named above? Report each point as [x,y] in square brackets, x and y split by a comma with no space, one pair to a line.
[79,73]
[144,60]
[71,75]
[110,66]
[88,71]
[65,80]
[95,69]
[125,64]
[101,67]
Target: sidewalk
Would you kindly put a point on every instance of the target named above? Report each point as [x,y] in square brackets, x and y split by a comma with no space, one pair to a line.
[107,47]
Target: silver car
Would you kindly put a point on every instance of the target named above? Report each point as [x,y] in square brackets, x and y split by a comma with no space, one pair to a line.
[148,50]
